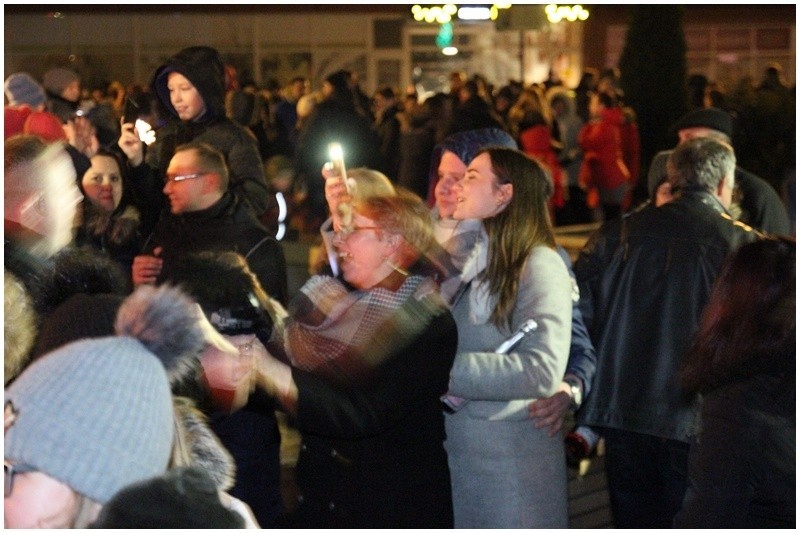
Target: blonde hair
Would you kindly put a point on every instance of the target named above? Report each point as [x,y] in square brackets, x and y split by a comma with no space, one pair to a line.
[19,326]
[403,214]
[366,183]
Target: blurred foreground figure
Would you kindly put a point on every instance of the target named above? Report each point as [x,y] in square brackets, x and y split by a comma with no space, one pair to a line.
[80,424]
[743,361]
[39,209]
[370,353]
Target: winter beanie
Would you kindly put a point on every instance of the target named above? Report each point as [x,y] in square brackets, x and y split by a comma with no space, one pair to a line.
[57,79]
[465,145]
[46,125]
[22,89]
[709,117]
[95,414]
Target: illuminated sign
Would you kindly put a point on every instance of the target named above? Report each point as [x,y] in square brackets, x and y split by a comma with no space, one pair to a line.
[557,13]
[446,13]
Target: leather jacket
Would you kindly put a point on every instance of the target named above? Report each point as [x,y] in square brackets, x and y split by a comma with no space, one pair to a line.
[644,280]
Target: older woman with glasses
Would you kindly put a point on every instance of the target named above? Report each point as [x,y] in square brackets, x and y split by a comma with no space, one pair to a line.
[370,355]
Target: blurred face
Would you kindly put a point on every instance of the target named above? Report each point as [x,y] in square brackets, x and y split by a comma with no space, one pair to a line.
[184,97]
[595,107]
[379,103]
[102,183]
[185,193]
[362,254]
[38,501]
[72,92]
[451,169]
[479,194]
[693,133]
[298,89]
[51,211]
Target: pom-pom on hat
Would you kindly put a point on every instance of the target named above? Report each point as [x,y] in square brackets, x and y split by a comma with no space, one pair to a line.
[22,89]
[95,414]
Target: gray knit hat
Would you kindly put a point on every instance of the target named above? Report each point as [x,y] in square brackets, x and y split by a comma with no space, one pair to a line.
[56,80]
[95,414]
[21,89]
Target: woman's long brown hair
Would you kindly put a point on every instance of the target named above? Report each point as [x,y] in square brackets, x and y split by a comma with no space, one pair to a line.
[514,232]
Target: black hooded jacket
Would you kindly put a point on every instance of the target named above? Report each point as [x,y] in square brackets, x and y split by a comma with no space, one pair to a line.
[203,67]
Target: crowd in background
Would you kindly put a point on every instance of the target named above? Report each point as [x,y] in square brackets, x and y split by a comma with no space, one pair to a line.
[587,136]
[142,229]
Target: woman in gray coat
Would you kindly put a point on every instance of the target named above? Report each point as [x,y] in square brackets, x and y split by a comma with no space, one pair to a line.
[506,473]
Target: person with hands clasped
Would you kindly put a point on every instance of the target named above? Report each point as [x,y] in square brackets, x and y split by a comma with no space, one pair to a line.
[369,354]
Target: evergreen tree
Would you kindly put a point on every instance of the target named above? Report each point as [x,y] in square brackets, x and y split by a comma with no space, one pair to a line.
[653,76]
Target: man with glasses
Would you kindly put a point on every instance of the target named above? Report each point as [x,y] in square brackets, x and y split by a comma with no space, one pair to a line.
[204,215]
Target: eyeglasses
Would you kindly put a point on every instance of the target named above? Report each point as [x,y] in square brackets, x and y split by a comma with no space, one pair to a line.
[9,471]
[346,231]
[181,177]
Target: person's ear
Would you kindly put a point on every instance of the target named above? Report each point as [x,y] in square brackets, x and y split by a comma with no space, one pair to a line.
[392,242]
[505,193]
[213,183]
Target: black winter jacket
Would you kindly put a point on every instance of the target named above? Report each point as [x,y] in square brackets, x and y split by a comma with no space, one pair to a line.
[372,453]
[226,226]
[644,280]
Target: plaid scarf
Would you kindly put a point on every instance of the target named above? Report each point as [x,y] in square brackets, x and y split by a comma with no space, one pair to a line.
[344,333]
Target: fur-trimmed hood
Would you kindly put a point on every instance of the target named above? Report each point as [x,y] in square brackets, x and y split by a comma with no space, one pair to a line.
[202,447]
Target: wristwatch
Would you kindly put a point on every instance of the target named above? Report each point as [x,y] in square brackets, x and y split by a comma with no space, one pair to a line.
[576,392]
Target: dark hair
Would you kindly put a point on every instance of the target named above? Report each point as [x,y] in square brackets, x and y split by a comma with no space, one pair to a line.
[748,326]
[606,99]
[515,231]
[228,292]
[123,174]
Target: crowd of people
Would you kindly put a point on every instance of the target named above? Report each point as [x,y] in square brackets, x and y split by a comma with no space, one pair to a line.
[430,360]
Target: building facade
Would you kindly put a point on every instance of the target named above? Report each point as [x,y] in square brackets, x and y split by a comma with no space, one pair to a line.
[382,43]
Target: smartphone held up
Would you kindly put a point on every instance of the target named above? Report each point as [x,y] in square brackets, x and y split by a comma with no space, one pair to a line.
[337,167]
[144,130]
